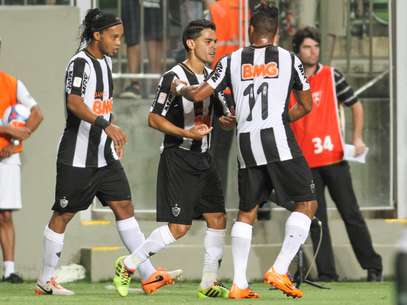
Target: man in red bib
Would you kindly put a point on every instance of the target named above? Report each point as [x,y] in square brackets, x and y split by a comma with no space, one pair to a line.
[12,92]
[319,135]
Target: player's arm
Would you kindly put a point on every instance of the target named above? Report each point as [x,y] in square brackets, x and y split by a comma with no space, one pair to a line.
[162,105]
[347,97]
[75,87]
[194,93]
[18,133]
[302,91]
[24,97]
[160,123]
[357,132]
[302,107]
[216,82]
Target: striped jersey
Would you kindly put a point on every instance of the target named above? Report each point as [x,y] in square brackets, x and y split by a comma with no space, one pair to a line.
[184,113]
[83,144]
[261,79]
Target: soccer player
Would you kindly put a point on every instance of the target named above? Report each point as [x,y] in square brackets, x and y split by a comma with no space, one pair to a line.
[319,135]
[12,92]
[89,151]
[261,78]
[188,185]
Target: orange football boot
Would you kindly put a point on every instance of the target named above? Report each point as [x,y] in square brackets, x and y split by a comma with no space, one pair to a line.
[246,293]
[283,283]
[159,279]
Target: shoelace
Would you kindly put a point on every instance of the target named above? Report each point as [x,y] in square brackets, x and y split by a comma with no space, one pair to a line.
[220,284]
[123,274]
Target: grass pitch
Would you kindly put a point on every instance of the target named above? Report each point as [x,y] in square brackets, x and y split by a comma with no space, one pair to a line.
[347,293]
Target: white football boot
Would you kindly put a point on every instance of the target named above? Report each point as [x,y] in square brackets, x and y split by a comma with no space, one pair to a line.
[52,288]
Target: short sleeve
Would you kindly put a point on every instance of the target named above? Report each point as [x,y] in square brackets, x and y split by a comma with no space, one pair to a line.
[24,97]
[163,98]
[300,80]
[344,92]
[77,77]
[218,79]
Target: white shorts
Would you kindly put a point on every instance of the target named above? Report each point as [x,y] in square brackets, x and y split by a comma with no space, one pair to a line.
[10,186]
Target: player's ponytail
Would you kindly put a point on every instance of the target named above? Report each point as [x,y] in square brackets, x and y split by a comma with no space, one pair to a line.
[95,21]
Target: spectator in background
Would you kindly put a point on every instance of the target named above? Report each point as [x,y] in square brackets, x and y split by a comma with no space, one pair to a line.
[188,10]
[153,33]
[226,16]
[12,92]
[319,135]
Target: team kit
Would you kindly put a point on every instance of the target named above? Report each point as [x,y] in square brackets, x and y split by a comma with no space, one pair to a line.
[189,97]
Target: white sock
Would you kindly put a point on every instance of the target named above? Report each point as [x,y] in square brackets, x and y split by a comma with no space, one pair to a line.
[132,238]
[53,244]
[213,253]
[403,242]
[160,238]
[296,232]
[241,242]
[9,268]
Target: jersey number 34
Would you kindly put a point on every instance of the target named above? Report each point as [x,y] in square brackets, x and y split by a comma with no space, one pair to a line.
[322,144]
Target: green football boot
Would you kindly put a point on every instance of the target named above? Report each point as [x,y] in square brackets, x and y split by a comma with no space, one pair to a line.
[217,290]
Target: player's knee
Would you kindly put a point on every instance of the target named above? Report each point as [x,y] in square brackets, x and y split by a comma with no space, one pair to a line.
[216,221]
[6,218]
[308,208]
[179,230]
[122,209]
[248,217]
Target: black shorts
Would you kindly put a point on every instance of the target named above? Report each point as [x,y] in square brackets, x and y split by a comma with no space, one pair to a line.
[153,24]
[76,187]
[291,180]
[188,185]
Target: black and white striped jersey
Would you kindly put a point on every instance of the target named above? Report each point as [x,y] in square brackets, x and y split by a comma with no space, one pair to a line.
[83,144]
[261,79]
[184,113]
[344,92]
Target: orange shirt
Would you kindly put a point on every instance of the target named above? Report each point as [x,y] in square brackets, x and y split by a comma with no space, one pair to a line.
[319,133]
[225,15]
[8,97]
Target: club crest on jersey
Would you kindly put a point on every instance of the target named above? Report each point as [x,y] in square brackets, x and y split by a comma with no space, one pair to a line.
[269,70]
[175,210]
[312,187]
[63,202]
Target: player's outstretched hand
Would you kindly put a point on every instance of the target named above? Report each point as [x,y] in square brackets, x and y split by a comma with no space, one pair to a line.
[199,131]
[117,135]
[174,84]
[19,133]
[227,122]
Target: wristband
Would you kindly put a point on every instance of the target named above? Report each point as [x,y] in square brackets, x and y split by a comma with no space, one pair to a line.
[179,88]
[101,122]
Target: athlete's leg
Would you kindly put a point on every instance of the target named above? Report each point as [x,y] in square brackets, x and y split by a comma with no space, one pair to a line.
[214,242]
[130,233]
[7,241]
[159,239]
[296,232]
[241,242]
[292,180]
[53,243]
